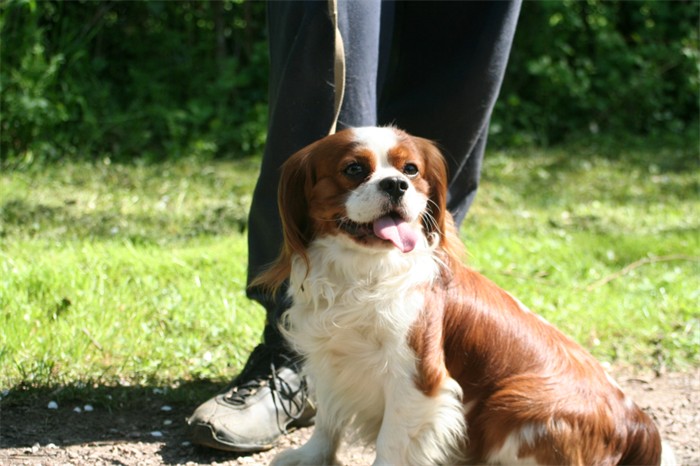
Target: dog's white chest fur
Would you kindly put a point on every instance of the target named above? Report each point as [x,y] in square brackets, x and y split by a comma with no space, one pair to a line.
[351,317]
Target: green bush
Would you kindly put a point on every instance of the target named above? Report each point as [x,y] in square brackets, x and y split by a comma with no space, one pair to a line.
[132,79]
[160,79]
[589,67]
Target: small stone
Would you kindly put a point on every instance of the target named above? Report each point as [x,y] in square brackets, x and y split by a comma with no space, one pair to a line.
[52,405]
[88,408]
[77,410]
[156,433]
[167,422]
[166,408]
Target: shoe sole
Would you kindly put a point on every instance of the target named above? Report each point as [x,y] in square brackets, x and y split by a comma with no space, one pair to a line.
[203,435]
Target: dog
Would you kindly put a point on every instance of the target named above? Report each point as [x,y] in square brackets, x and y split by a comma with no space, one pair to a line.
[411,350]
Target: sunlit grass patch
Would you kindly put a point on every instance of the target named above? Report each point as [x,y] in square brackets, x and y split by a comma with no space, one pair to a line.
[135,273]
[560,228]
[114,311]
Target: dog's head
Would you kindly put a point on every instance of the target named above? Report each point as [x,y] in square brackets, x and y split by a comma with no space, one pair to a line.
[380,188]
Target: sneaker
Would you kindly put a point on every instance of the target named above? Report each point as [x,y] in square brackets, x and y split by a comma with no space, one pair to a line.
[268,399]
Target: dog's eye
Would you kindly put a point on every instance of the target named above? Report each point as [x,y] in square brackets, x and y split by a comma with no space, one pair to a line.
[355,170]
[410,169]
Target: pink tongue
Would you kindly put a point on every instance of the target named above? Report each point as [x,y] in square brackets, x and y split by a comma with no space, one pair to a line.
[396,230]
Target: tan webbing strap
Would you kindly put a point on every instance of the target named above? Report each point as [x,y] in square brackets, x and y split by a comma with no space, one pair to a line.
[338,66]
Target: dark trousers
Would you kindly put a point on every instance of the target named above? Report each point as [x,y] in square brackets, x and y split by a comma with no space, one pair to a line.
[432,68]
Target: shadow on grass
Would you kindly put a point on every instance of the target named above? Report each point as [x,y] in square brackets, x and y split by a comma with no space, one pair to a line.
[114,415]
[20,216]
[666,153]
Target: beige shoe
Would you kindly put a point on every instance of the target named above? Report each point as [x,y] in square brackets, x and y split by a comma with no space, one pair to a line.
[267,400]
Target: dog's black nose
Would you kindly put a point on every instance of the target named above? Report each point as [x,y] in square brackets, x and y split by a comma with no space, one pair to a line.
[394,186]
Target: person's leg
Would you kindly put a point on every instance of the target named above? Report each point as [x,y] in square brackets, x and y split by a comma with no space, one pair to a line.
[270,395]
[446,65]
[301,107]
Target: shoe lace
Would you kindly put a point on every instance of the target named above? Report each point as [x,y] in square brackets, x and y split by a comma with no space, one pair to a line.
[283,391]
[261,371]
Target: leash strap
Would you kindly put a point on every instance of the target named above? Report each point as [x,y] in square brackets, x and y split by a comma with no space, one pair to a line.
[338,65]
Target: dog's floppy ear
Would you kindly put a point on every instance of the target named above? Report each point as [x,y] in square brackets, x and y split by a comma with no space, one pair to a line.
[435,173]
[440,221]
[296,182]
[293,194]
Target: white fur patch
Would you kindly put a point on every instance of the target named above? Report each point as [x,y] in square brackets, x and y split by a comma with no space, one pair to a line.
[379,140]
[351,318]
[508,453]
[668,456]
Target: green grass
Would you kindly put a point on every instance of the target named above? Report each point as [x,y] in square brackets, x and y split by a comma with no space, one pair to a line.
[125,274]
[559,228]
[134,274]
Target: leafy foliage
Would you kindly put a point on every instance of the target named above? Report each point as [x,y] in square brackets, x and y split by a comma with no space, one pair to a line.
[159,79]
[132,79]
[589,67]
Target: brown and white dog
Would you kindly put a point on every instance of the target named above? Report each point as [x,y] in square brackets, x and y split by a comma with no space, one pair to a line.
[412,350]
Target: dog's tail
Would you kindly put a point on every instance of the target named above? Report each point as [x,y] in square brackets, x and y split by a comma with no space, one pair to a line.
[644,443]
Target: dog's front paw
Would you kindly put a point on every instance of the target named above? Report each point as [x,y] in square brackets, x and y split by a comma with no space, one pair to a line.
[288,458]
[303,457]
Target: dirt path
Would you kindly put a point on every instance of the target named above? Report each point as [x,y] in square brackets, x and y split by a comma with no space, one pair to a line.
[151,435]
